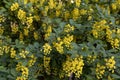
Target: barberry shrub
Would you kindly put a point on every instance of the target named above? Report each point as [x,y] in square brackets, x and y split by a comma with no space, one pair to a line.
[59,39]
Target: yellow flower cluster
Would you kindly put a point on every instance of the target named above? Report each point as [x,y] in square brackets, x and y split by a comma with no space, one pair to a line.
[115,43]
[58,46]
[26,31]
[47,48]
[68,28]
[21,37]
[58,8]
[36,36]
[14,6]
[48,32]
[75,13]
[29,20]
[77,2]
[32,61]
[110,64]
[99,28]
[100,70]
[114,6]
[42,2]
[74,66]
[6,49]
[21,78]
[36,17]
[83,12]
[27,1]
[1,30]
[52,4]
[14,28]
[2,19]
[21,14]
[12,53]
[58,12]
[46,64]
[67,40]
[24,70]
[108,35]
[23,53]
[91,59]
[66,15]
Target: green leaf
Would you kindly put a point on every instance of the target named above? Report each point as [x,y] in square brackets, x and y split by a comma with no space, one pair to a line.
[71,21]
[115,76]
[13,72]
[10,77]
[36,44]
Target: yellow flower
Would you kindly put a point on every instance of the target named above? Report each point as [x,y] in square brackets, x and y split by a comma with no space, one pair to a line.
[42,2]
[14,28]
[46,64]
[95,33]
[21,78]
[114,6]
[114,43]
[89,18]
[68,28]
[75,13]
[110,64]
[66,15]
[25,1]
[18,66]
[58,12]
[21,14]
[52,4]
[67,40]
[25,71]
[59,5]
[91,59]
[1,30]
[36,17]
[100,70]
[47,31]
[58,46]
[31,62]
[14,6]
[83,12]
[74,66]
[36,36]
[23,53]
[29,20]
[26,31]
[77,2]
[47,48]
[2,18]
[21,37]
[6,49]
[12,53]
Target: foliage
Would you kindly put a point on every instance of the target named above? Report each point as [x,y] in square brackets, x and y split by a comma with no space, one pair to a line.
[59,39]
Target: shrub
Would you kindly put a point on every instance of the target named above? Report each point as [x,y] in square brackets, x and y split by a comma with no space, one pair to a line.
[59,39]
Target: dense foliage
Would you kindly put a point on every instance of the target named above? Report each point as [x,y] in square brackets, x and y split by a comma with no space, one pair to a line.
[59,39]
